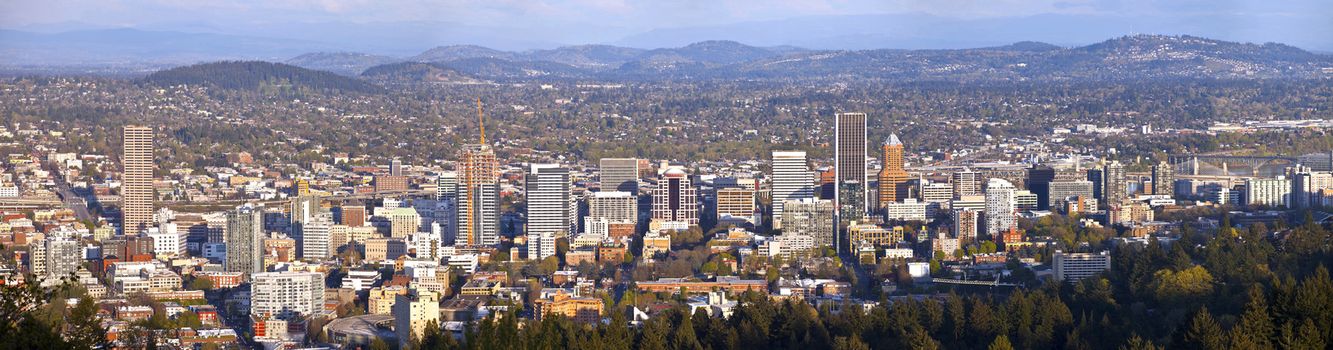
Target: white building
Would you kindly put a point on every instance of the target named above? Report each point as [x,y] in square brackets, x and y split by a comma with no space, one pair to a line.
[1274,192]
[286,295]
[907,210]
[168,241]
[1000,207]
[1078,266]
[792,180]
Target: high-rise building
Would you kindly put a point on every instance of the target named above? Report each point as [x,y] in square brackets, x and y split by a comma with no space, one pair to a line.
[736,206]
[316,236]
[812,218]
[1060,192]
[620,174]
[1163,179]
[1038,181]
[478,195]
[396,167]
[1275,192]
[53,258]
[792,180]
[245,239]
[549,198]
[615,206]
[352,215]
[136,189]
[675,201]
[1000,207]
[390,183]
[541,245]
[893,177]
[549,209]
[1113,190]
[303,209]
[446,186]
[966,183]
[966,223]
[849,162]
[401,222]
[286,295]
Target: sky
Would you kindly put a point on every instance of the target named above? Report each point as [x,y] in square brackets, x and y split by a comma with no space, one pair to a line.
[594,21]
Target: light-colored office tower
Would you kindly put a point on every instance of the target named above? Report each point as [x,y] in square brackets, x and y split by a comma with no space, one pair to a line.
[396,167]
[1074,267]
[549,198]
[1275,192]
[849,162]
[136,191]
[245,239]
[303,209]
[317,237]
[936,192]
[1113,183]
[966,183]
[217,226]
[812,218]
[1001,214]
[735,206]
[412,312]
[620,174]
[53,258]
[168,240]
[908,209]
[403,222]
[792,180]
[1025,200]
[1163,179]
[287,296]
[446,186]
[893,177]
[1060,192]
[615,206]
[675,201]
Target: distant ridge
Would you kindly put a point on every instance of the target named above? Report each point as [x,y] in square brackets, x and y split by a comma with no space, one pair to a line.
[252,75]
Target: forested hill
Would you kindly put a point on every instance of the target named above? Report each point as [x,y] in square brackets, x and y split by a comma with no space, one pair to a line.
[252,75]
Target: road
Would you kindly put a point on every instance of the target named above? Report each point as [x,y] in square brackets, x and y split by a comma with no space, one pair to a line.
[71,200]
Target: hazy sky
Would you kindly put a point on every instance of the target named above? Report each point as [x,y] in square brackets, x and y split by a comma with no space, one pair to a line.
[603,20]
[636,14]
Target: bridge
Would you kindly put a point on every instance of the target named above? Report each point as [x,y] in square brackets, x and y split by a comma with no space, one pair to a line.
[1229,165]
[972,282]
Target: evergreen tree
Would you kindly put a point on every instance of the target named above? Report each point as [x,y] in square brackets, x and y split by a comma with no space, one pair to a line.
[1255,329]
[1203,332]
[1001,343]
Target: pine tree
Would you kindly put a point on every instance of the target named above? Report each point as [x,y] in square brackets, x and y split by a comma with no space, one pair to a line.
[1137,343]
[684,337]
[1001,343]
[1255,329]
[1203,332]
[654,335]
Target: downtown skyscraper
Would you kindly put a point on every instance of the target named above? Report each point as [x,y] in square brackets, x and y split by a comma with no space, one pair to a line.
[893,177]
[792,180]
[136,191]
[245,240]
[1113,183]
[620,174]
[849,165]
[550,206]
[675,202]
[478,191]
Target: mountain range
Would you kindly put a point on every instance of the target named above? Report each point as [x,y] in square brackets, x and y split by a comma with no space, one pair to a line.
[1128,57]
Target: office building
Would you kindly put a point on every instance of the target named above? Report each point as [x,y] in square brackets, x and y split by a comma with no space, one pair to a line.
[736,206]
[1001,211]
[245,239]
[935,192]
[399,222]
[907,210]
[1074,267]
[316,235]
[614,206]
[288,296]
[446,186]
[792,180]
[136,189]
[966,224]
[390,183]
[303,210]
[396,167]
[1275,192]
[384,249]
[1113,186]
[893,177]
[1060,192]
[1038,181]
[966,183]
[550,201]
[849,163]
[53,258]
[812,218]
[1163,179]
[620,174]
[478,197]
[541,244]
[675,202]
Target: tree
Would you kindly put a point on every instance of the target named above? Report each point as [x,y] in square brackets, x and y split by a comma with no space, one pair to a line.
[1303,337]
[654,335]
[379,344]
[1255,329]
[201,284]
[1203,332]
[1001,343]
[1137,343]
